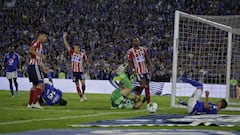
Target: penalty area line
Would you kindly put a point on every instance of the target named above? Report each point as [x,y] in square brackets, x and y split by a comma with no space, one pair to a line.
[66,117]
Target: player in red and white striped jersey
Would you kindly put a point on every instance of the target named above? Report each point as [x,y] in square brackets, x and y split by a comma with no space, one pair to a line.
[35,69]
[140,64]
[78,60]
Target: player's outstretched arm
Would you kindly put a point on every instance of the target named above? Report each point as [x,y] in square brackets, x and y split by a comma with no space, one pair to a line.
[139,104]
[206,103]
[65,41]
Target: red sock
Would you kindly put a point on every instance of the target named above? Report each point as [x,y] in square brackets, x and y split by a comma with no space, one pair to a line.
[79,92]
[31,96]
[147,93]
[37,93]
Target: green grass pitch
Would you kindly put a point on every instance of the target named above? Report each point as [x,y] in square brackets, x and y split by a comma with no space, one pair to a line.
[16,117]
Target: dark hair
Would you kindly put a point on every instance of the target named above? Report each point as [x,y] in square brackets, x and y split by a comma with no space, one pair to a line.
[224,103]
[43,32]
[63,102]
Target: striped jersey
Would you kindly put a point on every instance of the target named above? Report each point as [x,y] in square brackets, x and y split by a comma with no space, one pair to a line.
[77,61]
[36,60]
[138,57]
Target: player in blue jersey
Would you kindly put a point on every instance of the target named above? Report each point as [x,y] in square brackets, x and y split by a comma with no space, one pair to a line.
[197,107]
[51,95]
[12,62]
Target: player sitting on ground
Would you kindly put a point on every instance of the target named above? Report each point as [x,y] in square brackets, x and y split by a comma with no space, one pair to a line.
[195,106]
[119,97]
[51,95]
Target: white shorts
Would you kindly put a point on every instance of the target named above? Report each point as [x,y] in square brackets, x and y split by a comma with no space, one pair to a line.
[11,75]
[193,99]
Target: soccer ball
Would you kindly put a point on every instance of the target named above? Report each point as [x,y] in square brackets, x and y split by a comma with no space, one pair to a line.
[152,107]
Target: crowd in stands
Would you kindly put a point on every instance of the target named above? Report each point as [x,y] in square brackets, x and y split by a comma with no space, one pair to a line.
[104,28]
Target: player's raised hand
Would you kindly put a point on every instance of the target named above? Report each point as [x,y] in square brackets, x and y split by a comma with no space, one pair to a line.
[65,35]
[206,93]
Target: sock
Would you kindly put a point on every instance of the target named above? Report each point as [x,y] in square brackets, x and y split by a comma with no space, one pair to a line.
[12,91]
[37,93]
[125,80]
[16,86]
[83,88]
[193,83]
[79,91]
[147,94]
[31,97]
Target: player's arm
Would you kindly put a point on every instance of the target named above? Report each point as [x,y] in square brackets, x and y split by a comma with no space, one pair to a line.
[130,62]
[65,41]
[5,62]
[33,51]
[206,103]
[139,104]
[148,62]
[19,61]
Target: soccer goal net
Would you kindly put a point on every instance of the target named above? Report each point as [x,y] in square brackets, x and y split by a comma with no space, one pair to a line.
[206,49]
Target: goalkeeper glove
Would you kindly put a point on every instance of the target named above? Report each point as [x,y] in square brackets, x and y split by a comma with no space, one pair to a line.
[144,100]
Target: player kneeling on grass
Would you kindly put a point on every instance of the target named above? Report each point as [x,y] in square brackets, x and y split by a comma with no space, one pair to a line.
[51,96]
[195,106]
[119,97]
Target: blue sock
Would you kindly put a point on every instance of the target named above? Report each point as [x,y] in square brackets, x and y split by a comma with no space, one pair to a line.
[193,83]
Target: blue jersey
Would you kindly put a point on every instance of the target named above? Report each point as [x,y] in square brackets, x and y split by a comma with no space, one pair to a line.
[11,61]
[199,108]
[51,95]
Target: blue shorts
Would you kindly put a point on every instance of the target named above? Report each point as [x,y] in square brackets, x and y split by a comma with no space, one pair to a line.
[78,76]
[35,74]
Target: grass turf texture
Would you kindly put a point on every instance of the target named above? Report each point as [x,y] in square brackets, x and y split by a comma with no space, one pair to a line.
[16,117]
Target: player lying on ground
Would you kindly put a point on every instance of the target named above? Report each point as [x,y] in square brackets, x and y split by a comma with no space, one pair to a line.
[119,97]
[51,96]
[197,107]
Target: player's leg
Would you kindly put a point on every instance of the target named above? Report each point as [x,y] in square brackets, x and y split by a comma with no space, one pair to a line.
[36,77]
[82,80]
[193,82]
[196,95]
[31,75]
[16,86]
[147,90]
[9,76]
[124,79]
[11,86]
[76,81]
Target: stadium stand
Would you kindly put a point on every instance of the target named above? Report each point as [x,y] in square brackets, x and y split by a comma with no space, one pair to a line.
[103,28]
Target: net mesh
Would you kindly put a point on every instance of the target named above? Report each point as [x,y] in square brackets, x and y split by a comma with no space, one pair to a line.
[202,55]
[202,52]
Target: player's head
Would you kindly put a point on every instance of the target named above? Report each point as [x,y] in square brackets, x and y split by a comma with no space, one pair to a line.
[11,49]
[222,103]
[135,42]
[76,47]
[42,37]
[63,102]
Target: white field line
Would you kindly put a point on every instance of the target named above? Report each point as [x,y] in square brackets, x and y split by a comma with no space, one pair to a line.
[70,117]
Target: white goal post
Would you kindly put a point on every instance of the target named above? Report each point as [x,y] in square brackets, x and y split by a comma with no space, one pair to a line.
[208,51]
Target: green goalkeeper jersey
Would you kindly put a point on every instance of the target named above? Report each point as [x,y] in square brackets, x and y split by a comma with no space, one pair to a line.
[118,100]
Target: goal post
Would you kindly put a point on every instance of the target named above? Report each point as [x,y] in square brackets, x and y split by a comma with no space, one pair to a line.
[207,51]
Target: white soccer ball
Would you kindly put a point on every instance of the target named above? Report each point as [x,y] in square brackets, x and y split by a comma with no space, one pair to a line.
[152,107]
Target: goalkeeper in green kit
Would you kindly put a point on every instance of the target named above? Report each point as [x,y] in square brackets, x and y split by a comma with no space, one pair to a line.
[119,97]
